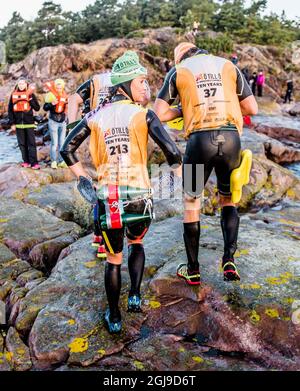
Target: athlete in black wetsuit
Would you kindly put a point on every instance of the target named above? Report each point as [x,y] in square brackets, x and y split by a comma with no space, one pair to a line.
[111,153]
[214,95]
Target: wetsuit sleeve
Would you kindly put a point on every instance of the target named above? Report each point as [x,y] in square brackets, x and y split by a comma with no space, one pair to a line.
[34,103]
[169,91]
[11,112]
[158,133]
[74,139]
[84,91]
[243,89]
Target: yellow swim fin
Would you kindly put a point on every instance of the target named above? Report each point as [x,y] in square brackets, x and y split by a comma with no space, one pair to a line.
[240,176]
[176,123]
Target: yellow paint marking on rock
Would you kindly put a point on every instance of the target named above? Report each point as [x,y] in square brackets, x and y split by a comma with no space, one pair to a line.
[276,280]
[254,316]
[3,220]
[291,193]
[138,365]
[9,356]
[71,322]
[204,226]
[101,351]
[292,259]
[198,359]
[250,286]
[154,304]
[181,350]
[244,251]
[288,300]
[272,313]
[286,275]
[78,345]
[90,264]
[286,318]
[20,351]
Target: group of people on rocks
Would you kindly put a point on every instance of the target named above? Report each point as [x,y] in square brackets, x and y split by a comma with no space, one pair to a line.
[21,118]
[255,80]
[118,122]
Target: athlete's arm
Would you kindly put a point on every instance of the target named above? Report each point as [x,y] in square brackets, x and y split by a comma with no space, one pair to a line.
[75,100]
[166,97]
[162,139]
[74,139]
[248,103]
[249,106]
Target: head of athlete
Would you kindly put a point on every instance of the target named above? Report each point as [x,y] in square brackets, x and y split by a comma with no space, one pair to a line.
[129,78]
[185,50]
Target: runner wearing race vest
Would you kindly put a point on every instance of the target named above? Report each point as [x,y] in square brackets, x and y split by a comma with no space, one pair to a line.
[119,133]
[214,96]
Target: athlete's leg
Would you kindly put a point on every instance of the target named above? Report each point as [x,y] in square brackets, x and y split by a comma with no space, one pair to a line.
[136,262]
[229,160]
[113,244]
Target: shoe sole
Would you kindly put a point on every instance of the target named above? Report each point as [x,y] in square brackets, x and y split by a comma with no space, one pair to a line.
[231,276]
[187,281]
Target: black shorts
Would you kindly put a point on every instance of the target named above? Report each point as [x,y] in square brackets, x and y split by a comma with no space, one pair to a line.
[114,238]
[204,151]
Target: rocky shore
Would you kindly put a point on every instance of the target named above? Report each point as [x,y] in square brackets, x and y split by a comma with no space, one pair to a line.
[52,283]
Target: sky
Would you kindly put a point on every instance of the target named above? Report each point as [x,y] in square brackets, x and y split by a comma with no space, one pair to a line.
[29,10]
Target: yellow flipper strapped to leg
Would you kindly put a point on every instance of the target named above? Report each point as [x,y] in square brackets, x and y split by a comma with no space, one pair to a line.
[240,176]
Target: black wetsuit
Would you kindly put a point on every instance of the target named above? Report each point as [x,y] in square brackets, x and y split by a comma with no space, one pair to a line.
[213,148]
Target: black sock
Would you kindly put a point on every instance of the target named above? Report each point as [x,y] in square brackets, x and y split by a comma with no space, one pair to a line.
[113,288]
[191,236]
[230,228]
[136,263]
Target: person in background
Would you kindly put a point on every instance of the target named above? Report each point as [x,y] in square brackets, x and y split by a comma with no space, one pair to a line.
[289,91]
[245,72]
[56,102]
[260,82]
[252,82]
[20,111]
[234,58]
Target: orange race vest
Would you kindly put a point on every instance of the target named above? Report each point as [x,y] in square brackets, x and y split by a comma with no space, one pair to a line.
[20,100]
[62,100]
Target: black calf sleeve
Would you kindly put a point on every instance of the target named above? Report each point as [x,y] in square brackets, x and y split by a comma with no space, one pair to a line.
[191,236]
[230,227]
[136,264]
[113,288]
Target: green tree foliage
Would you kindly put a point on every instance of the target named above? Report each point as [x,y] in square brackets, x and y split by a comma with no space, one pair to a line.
[234,20]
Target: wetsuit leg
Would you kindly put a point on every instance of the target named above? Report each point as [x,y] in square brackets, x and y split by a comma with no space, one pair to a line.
[113,288]
[136,263]
[230,227]
[191,236]
[197,162]
[228,160]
